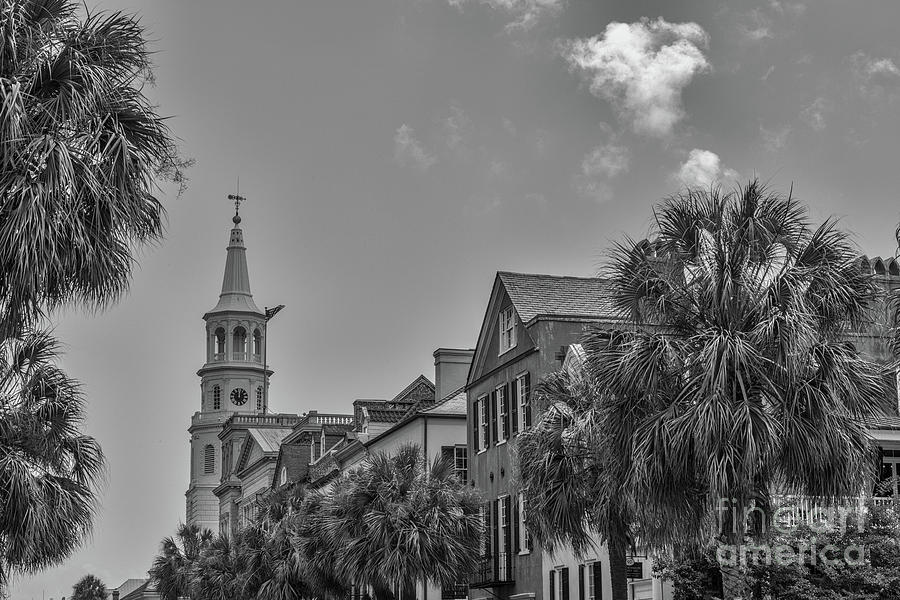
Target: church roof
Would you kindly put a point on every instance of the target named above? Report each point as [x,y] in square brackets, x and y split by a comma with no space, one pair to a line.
[269,439]
[236,281]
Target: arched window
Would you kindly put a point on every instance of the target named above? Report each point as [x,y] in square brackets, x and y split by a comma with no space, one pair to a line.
[209,459]
[283,475]
[217,397]
[239,344]
[257,345]
[220,344]
[259,398]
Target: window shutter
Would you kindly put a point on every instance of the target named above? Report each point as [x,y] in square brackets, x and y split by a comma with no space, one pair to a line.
[505,412]
[487,529]
[494,416]
[476,419]
[552,584]
[517,540]
[496,531]
[581,582]
[507,527]
[564,580]
[527,418]
[514,405]
[597,574]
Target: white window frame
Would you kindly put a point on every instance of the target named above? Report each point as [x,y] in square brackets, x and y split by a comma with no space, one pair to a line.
[589,591]
[461,453]
[484,423]
[283,475]
[502,417]
[503,524]
[558,583]
[507,327]
[524,536]
[521,399]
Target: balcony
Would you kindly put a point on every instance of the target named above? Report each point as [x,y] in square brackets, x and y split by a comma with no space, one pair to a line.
[495,571]
[238,356]
[219,356]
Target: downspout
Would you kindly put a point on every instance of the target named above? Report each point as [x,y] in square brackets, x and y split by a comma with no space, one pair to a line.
[425,458]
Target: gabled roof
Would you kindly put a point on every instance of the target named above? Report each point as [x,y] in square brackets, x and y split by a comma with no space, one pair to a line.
[406,396]
[385,415]
[135,592]
[269,439]
[129,586]
[559,296]
[453,404]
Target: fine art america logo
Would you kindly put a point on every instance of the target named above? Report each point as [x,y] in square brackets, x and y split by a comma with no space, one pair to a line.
[828,522]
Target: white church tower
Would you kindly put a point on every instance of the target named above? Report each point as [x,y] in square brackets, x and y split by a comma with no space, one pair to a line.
[233,380]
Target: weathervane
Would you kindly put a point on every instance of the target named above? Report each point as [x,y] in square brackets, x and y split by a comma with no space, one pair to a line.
[237,202]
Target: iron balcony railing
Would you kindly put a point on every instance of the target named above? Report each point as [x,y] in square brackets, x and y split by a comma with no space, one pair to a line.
[495,571]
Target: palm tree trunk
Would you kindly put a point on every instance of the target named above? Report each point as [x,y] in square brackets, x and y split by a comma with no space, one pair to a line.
[382,592]
[617,568]
[734,583]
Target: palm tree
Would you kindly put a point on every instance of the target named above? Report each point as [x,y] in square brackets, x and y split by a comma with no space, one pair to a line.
[81,148]
[49,471]
[396,520]
[219,570]
[173,568]
[89,587]
[737,357]
[572,470]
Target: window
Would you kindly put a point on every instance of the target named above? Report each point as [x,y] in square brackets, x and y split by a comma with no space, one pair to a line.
[507,329]
[461,463]
[504,541]
[217,397]
[209,459]
[523,400]
[239,344]
[219,344]
[458,457]
[594,580]
[503,409]
[283,475]
[559,583]
[524,536]
[484,420]
[257,345]
[259,398]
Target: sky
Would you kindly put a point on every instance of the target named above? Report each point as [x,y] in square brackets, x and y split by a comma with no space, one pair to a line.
[396,154]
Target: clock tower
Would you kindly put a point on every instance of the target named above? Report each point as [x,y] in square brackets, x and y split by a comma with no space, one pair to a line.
[234,378]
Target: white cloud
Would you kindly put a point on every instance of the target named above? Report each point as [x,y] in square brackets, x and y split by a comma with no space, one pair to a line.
[703,169]
[408,151]
[814,114]
[876,77]
[456,127]
[774,139]
[607,160]
[641,68]
[525,13]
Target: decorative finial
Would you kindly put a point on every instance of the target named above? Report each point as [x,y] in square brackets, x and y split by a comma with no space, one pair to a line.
[237,206]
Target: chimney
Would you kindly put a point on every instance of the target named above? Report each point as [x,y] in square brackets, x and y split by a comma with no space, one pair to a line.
[451,368]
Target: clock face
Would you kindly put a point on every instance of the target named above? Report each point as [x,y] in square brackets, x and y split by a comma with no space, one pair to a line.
[239,396]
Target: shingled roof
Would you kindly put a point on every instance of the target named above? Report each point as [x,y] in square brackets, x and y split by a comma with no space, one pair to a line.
[386,415]
[536,295]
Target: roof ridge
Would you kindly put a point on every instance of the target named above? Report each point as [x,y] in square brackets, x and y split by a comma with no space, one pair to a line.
[549,276]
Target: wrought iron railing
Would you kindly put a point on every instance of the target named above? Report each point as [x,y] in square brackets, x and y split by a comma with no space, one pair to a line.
[494,571]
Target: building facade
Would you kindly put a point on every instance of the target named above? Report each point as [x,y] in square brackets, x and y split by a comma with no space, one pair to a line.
[530,324]
[233,380]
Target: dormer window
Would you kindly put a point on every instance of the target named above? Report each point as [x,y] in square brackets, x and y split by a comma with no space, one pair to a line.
[507,329]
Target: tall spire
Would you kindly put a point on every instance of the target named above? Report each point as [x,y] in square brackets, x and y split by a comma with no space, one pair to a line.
[236,282]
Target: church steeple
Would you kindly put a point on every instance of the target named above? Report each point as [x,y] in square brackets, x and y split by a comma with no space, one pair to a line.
[236,294]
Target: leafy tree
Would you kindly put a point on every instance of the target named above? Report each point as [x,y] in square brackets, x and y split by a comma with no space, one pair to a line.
[572,471]
[48,469]
[81,151]
[89,587]
[735,354]
[173,569]
[394,520]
